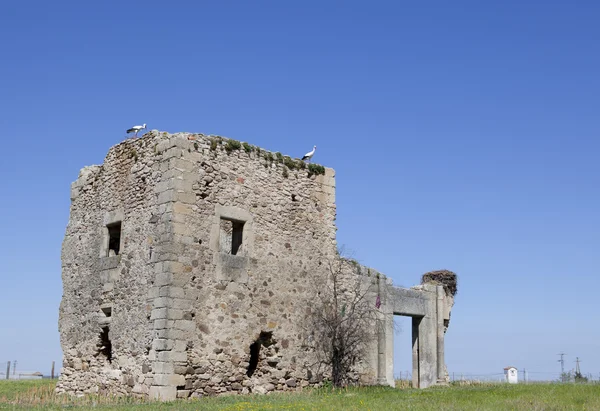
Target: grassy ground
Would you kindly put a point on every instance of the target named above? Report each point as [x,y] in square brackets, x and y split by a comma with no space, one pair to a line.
[32,395]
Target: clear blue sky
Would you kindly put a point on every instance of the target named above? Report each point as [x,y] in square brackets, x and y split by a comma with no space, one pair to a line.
[465,135]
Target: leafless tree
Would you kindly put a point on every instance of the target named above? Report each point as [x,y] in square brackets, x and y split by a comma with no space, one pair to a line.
[343,318]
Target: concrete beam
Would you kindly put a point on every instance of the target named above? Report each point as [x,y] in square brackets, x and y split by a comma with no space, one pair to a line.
[408,302]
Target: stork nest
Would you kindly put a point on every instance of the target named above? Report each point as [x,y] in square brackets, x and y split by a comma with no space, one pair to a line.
[443,277]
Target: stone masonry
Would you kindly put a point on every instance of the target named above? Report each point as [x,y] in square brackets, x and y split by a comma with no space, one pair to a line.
[187,267]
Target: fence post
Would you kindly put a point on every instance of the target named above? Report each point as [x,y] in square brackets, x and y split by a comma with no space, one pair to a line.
[7,369]
[52,372]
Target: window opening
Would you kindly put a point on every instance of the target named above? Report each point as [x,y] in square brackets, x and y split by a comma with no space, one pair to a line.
[114,238]
[105,344]
[232,234]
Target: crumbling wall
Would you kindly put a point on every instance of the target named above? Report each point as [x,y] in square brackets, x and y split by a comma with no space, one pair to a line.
[288,234]
[183,310]
[105,295]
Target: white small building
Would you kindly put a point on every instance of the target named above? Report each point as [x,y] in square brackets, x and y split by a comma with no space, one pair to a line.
[512,376]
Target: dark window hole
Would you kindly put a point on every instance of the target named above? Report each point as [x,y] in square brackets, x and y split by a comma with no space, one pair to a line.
[107,311]
[114,238]
[232,234]
[294,197]
[264,339]
[105,344]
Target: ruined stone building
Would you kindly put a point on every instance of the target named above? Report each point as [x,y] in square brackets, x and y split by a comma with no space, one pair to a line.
[189,262]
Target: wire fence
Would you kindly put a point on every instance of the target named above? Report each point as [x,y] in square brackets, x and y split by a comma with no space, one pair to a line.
[9,371]
[524,376]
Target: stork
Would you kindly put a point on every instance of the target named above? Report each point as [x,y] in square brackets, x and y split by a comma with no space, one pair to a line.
[309,155]
[136,129]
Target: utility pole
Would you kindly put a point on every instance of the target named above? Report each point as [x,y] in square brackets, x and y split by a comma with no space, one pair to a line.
[52,372]
[14,367]
[562,366]
[577,370]
[7,369]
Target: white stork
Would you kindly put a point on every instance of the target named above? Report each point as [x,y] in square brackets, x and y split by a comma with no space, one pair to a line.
[309,155]
[136,129]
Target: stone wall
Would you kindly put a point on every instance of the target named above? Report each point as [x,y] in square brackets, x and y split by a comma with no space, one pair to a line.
[122,189]
[185,310]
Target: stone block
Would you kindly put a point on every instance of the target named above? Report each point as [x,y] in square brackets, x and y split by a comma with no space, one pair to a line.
[163,393]
[162,323]
[186,198]
[180,369]
[161,367]
[170,291]
[158,313]
[179,334]
[166,197]
[153,292]
[181,164]
[162,279]
[174,314]
[173,267]
[161,302]
[182,208]
[161,344]
[173,356]
[107,263]
[181,279]
[181,303]
[183,393]
[181,229]
[162,333]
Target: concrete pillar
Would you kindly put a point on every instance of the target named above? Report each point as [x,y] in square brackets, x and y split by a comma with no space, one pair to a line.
[428,350]
[389,355]
[415,351]
[381,351]
[385,335]
[441,377]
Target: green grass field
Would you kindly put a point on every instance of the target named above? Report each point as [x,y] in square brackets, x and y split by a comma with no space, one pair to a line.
[33,395]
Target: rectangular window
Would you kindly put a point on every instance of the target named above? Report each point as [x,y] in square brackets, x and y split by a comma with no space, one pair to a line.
[231,236]
[114,239]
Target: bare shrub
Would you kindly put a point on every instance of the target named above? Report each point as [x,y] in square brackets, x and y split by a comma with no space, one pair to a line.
[343,319]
